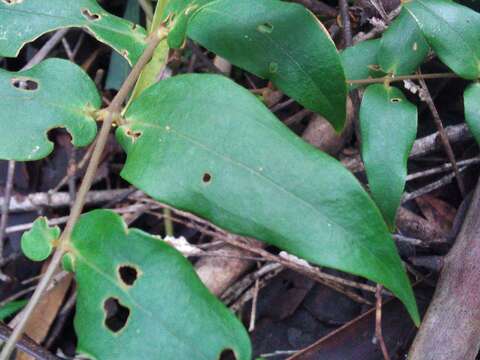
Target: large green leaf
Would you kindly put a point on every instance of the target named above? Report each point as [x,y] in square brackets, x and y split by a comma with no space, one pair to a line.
[452,30]
[403,46]
[24,21]
[275,40]
[388,124]
[472,109]
[359,60]
[57,93]
[203,144]
[163,309]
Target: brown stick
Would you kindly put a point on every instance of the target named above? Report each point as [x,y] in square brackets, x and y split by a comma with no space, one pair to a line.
[443,136]
[451,327]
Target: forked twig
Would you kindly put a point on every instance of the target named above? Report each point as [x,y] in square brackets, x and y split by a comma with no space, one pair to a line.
[113,111]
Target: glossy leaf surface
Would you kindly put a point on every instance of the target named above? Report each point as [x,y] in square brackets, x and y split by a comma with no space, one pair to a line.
[24,21]
[402,47]
[37,243]
[133,287]
[472,109]
[452,30]
[275,40]
[359,59]
[203,144]
[55,93]
[388,125]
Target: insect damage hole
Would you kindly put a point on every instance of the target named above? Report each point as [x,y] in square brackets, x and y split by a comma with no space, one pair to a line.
[207,178]
[395,100]
[25,84]
[128,274]
[89,15]
[227,354]
[116,315]
[12,2]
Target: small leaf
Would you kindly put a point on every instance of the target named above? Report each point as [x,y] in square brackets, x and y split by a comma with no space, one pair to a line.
[205,145]
[11,308]
[55,93]
[358,60]
[388,125]
[452,30]
[139,298]
[471,99]
[37,243]
[279,41]
[25,20]
[403,47]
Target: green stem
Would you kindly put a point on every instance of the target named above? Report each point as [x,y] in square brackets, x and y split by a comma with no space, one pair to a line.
[113,110]
[389,79]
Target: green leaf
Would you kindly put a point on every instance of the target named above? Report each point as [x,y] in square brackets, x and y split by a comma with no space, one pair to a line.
[11,308]
[119,68]
[205,145]
[58,93]
[453,31]
[279,41]
[471,99]
[403,47]
[359,60]
[24,21]
[388,125]
[163,309]
[37,243]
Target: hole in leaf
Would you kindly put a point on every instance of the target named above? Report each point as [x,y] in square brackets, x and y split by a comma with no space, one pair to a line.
[25,84]
[116,315]
[395,100]
[227,354]
[206,178]
[265,28]
[128,274]
[134,135]
[90,16]
[12,2]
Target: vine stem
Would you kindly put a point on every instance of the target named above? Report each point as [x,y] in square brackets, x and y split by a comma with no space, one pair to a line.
[111,113]
[389,79]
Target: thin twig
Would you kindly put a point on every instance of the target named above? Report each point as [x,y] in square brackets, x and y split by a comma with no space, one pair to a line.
[443,168]
[382,80]
[346,25]
[6,203]
[253,314]
[112,112]
[447,179]
[378,323]
[27,345]
[441,131]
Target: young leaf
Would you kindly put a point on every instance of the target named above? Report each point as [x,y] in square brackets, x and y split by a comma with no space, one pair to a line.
[388,125]
[24,21]
[358,60]
[203,144]
[37,243]
[452,30]
[471,99]
[403,46]
[139,298]
[55,93]
[279,41]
